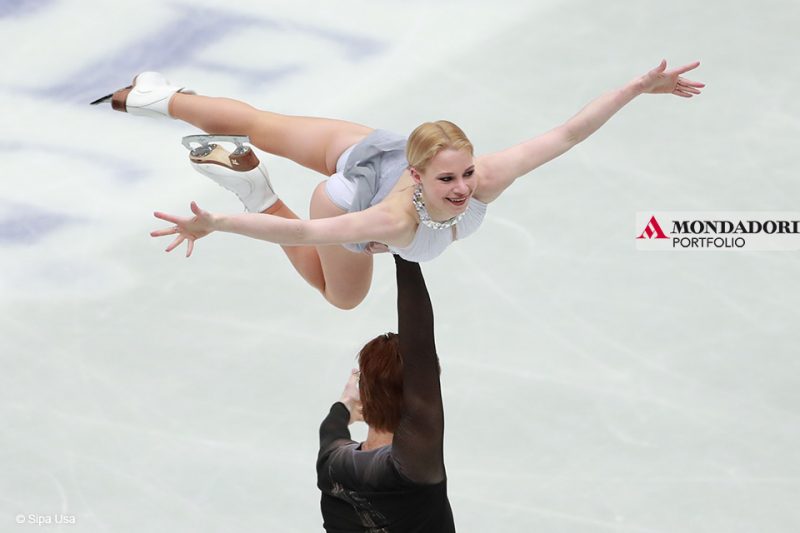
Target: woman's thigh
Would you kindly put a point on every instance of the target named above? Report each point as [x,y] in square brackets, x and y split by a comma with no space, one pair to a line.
[313,142]
[348,275]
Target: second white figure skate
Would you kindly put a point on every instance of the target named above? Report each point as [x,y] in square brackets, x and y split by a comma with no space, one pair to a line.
[239,171]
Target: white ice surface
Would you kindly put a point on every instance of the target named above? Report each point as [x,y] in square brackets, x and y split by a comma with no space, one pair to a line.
[589,387]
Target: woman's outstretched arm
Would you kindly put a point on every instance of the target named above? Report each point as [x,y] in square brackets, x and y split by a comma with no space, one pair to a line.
[378,223]
[500,169]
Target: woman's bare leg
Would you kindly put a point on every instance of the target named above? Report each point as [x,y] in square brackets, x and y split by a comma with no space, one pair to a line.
[315,143]
[304,259]
[343,277]
[347,275]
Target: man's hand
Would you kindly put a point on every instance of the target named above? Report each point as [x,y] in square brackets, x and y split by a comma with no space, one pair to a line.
[351,398]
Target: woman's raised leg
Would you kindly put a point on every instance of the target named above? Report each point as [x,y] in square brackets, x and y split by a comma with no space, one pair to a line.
[343,277]
[315,143]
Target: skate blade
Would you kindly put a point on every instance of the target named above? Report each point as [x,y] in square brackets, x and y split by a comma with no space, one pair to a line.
[207,139]
[103,100]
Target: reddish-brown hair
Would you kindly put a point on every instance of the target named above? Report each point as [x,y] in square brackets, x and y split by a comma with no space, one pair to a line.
[381,382]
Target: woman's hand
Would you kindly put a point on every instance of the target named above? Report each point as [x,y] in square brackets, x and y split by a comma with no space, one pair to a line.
[663,81]
[186,228]
[376,248]
[351,397]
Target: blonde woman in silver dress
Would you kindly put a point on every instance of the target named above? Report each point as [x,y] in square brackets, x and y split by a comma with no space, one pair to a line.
[413,196]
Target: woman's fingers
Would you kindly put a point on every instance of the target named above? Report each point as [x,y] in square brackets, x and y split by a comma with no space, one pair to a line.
[178,240]
[164,232]
[687,88]
[691,83]
[169,218]
[661,67]
[179,229]
[375,248]
[685,68]
[682,93]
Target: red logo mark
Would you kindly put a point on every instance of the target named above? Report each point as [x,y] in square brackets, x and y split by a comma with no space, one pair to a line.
[653,229]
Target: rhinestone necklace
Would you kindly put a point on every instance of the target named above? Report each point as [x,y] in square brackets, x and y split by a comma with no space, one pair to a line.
[425,218]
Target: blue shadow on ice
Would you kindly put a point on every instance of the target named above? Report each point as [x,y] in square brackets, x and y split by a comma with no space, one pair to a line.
[25,224]
[21,8]
[183,40]
[117,168]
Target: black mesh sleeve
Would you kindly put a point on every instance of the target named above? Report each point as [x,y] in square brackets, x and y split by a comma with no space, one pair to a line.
[418,442]
[334,431]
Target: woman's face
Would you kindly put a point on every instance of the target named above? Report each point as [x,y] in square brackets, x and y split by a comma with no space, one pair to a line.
[448,183]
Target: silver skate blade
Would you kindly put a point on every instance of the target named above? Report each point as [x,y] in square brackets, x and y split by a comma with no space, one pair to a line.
[103,100]
[206,139]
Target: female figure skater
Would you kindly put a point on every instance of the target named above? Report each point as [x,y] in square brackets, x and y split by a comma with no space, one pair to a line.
[395,480]
[413,197]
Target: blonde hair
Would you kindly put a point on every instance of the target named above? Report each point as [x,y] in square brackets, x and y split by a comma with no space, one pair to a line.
[430,138]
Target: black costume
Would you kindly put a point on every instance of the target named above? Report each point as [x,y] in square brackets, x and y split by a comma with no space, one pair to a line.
[401,487]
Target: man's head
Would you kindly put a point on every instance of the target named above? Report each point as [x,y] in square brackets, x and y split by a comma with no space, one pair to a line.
[381,382]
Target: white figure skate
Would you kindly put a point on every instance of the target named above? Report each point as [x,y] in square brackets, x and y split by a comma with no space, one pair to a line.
[239,171]
[149,95]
